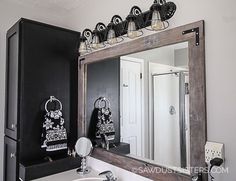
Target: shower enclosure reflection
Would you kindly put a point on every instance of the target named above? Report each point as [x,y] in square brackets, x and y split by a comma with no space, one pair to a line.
[149,103]
[170,118]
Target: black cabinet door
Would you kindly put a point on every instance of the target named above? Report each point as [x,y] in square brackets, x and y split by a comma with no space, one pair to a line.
[10,160]
[48,68]
[12,76]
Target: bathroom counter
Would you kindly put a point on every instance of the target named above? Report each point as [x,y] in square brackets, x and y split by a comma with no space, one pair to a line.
[68,176]
[97,166]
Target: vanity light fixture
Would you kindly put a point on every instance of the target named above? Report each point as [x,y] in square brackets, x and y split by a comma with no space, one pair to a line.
[156,18]
[133,24]
[159,13]
[96,40]
[114,31]
[168,9]
[111,35]
[157,23]
[85,41]
[83,49]
[98,37]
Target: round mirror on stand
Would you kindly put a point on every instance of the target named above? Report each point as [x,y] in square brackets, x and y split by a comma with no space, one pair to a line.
[83,148]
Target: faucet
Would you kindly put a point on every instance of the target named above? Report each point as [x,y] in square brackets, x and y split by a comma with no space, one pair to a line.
[197,177]
[105,141]
[109,175]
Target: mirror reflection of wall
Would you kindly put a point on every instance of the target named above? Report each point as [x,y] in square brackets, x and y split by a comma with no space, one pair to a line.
[153,103]
[103,80]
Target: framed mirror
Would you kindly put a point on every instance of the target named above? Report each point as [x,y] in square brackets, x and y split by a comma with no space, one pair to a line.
[142,103]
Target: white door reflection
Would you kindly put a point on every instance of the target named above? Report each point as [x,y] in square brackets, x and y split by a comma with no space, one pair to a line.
[131,105]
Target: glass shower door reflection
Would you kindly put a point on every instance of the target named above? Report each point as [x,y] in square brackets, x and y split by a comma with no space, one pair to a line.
[169,113]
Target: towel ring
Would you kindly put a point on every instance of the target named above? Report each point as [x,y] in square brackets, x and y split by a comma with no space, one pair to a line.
[52,98]
[100,100]
[107,102]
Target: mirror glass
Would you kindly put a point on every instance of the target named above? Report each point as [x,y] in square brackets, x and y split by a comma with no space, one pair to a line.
[83,147]
[138,105]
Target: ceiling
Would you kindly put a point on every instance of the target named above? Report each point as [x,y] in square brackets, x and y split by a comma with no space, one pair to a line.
[61,5]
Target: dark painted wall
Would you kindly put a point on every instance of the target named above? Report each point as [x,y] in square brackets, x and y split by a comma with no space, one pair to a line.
[103,79]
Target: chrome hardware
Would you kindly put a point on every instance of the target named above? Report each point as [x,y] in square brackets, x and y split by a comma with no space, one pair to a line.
[105,142]
[12,155]
[109,175]
[83,167]
[71,152]
[172,110]
[83,148]
[52,99]
[197,177]
[13,126]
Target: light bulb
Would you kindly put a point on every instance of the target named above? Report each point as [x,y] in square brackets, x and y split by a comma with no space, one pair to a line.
[132,31]
[157,24]
[96,42]
[111,37]
[83,48]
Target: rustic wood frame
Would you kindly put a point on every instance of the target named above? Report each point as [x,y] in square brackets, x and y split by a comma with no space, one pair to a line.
[193,34]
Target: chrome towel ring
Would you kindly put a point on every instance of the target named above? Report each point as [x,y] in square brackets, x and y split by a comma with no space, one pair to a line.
[99,101]
[52,99]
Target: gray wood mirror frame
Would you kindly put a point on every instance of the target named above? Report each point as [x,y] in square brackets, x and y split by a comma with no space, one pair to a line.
[193,34]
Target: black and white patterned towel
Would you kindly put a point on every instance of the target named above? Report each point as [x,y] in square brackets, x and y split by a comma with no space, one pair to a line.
[54,135]
[105,124]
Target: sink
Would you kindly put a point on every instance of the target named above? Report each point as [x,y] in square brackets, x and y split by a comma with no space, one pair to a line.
[90,179]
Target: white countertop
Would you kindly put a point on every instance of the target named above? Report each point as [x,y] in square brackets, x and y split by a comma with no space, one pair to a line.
[68,176]
[97,166]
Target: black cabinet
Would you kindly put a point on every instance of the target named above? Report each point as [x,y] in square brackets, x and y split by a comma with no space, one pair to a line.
[41,62]
[10,159]
[12,73]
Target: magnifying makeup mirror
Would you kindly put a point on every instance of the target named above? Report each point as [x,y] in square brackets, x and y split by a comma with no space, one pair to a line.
[83,148]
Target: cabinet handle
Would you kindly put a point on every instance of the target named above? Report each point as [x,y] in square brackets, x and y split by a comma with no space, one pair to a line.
[13,126]
[12,155]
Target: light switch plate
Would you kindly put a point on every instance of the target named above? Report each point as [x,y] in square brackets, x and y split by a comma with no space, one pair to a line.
[213,150]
